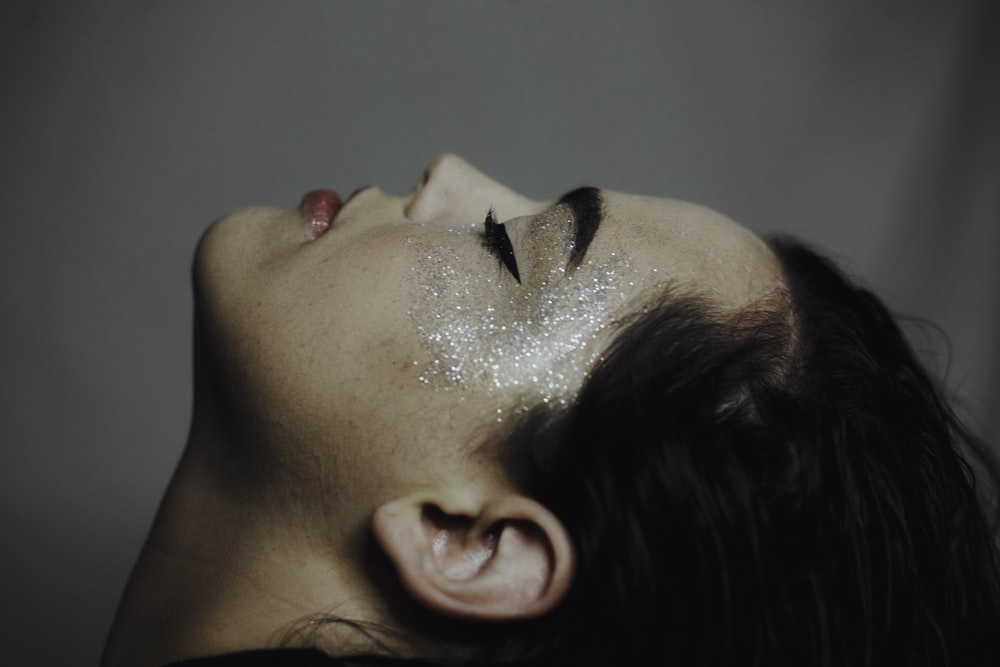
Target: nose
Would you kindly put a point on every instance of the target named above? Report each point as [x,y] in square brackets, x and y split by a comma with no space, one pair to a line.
[452,190]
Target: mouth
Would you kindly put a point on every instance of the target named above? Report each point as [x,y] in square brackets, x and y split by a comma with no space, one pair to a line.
[320,208]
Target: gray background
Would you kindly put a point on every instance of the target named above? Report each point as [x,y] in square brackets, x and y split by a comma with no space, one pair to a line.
[871,128]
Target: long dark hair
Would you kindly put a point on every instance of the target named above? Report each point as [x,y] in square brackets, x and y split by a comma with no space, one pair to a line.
[785,486]
[781,486]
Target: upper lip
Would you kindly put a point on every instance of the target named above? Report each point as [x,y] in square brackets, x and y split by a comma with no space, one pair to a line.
[347,201]
[355,194]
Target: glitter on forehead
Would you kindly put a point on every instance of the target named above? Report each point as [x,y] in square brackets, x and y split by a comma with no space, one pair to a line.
[481,330]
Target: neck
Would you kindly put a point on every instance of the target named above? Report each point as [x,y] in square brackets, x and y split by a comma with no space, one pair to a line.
[222,571]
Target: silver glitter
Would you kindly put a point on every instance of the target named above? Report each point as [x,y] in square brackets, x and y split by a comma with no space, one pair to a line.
[482,330]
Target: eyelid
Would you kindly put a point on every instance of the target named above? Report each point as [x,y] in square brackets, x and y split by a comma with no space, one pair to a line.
[497,241]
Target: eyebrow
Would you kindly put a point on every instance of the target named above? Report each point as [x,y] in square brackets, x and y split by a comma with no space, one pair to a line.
[587,206]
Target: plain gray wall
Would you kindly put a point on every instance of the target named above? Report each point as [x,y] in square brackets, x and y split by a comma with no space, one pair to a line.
[870,128]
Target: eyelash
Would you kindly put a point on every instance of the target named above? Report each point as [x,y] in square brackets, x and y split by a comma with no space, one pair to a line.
[495,240]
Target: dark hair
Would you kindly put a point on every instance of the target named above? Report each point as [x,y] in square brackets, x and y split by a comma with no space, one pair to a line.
[782,486]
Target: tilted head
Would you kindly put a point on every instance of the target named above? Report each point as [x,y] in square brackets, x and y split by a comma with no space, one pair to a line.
[370,360]
[575,430]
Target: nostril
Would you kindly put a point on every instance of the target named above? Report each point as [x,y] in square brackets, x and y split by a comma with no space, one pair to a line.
[446,183]
[421,182]
[430,191]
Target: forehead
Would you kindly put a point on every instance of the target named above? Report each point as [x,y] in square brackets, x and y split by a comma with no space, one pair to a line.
[691,248]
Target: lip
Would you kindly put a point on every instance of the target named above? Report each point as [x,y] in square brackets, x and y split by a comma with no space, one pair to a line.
[319,208]
[356,193]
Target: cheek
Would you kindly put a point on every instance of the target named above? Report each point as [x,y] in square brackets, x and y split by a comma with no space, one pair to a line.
[315,334]
[482,331]
[353,320]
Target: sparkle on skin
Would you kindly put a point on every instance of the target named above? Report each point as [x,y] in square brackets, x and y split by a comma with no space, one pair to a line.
[533,343]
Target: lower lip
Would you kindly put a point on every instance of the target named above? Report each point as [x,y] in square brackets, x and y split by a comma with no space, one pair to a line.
[319,208]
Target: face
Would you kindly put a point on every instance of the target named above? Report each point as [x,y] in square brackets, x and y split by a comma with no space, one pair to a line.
[380,351]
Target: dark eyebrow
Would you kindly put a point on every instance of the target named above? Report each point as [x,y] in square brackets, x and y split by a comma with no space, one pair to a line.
[587,206]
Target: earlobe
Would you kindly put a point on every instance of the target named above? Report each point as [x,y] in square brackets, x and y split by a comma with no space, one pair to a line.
[505,558]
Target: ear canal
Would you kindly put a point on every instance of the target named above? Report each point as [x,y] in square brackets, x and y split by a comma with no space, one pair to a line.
[512,560]
[459,551]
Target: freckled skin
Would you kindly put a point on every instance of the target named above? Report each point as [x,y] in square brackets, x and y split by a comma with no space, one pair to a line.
[338,372]
[360,366]
[401,295]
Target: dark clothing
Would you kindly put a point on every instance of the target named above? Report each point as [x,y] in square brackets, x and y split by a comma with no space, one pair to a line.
[263,658]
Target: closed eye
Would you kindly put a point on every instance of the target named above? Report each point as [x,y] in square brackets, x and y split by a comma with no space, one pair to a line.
[496,240]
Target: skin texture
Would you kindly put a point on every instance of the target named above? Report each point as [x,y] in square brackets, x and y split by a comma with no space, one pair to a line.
[322,394]
[323,332]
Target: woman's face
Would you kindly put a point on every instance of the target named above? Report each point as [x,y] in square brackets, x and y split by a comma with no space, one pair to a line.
[396,340]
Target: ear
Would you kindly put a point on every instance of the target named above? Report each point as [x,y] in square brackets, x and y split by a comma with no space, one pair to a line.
[506,558]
